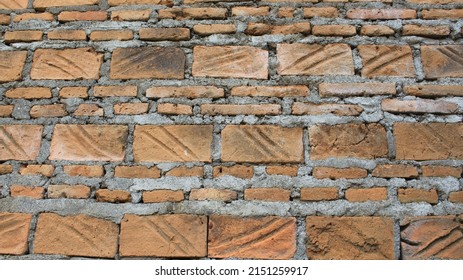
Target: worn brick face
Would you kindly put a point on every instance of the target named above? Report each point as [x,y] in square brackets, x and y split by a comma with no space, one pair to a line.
[20,142]
[11,65]
[386,61]
[13,5]
[14,231]
[442,61]
[40,4]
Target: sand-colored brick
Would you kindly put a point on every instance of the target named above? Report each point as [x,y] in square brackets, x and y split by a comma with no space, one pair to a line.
[137,172]
[69,191]
[213,194]
[14,233]
[158,196]
[267,194]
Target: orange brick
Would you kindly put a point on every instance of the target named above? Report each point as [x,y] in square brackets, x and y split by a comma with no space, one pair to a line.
[89,110]
[29,93]
[286,12]
[376,30]
[30,192]
[213,194]
[334,30]
[209,29]
[34,16]
[113,196]
[250,11]
[67,35]
[240,171]
[130,108]
[171,236]
[382,60]
[338,173]
[12,65]
[73,92]
[42,4]
[158,196]
[172,143]
[108,35]
[139,2]
[441,171]
[262,143]
[319,194]
[270,91]
[442,14]
[68,16]
[327,12]
[164,34]
[137,172]
[363,195]
[56,235]
[131,15]
[288,170]
[267,194]
[240,237]
[300,108]
[456,197]
[183,171]
[442,61]
[193,13]
[175,109]
[4,19]
[356,89]
[15,232]
[426,31]
[13,5]
[408,195]
[68,191]
[116,91]
[84,170]
[88,142]
[381,14]
[434,90]
[187,91]
[6,110]
[5,169]
[395,170]
[258,29]
[37,169]
[20,142]
[48,111]
[418,106]
[235,109]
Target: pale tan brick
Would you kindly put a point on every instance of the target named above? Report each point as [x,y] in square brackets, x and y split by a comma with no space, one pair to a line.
[356,89]
[29,93]
[408,195]
[116,91]
[186,91]
[137,172]
[20,142]
[69,191]
[67,35]
[130,108]
[15,232]
[235,109]
[89,110]
[158,196]
[130,15]
[164,34]
[213,194]
[300,108]
[287,170]
[73,92]
[22,36]
[386,60]
[42,4]
[68,16]
[108,35]
[48,111]
[13,5]
[267,194]
[441,171]
[183,171]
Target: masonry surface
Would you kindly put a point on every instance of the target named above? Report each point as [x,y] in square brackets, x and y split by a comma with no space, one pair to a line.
[207,129]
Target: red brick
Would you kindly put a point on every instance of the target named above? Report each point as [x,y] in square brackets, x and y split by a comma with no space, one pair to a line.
[338,173]
[137,172]
[314,59]
[439,237]
[209,29]
[267,194]
[334,30]
[416,141]
[15,232]
[456,197]
[327,12]
[130,108]
[131,15]
[48,111]
[172,143]
[37,169]
[12,64]
[108,35]
[175,109]
[158,196]
[356,89]
[434,90]
[250,11]
[84,170]
[78,235]
[183,171]
[140,2]
[257,238]
[164,34]
[418,106]
[258,29]
[240,171]
[22,36]
[442,14]
[442,61]
[213,194]
[67,64]
[68,191]
[5,169]
[376,30]
[29,192]
[67,35]
[187,91]
[89,110]
[68,16]
[20,142]
[235,109]
[271,91]
[426,30]
[193,13]
[384,60]
[42,4]
[262,143]
[319,194]
[88,142]
[381,14]
[350,238]
[348,140]
[34,16]
[287,170]
[73,92]
[395,170]
[117,91]
[230,62]
[364,195]
[113,196]
[147,63]
[171,236]
[408,195]
[286,12]
[13,5]
[6,110]
[29,93]
[441,171]
[300,108]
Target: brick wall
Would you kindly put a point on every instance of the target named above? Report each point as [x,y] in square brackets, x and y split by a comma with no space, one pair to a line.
[271,129]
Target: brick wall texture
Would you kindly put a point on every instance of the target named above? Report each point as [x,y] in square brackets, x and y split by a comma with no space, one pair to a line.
[248,129]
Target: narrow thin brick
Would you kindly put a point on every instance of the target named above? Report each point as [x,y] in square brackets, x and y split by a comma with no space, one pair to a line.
[186,91]
[37,169]
[67,35]
[236,109]
[174,109]
[271,91]
[326,12]
[130,108]
[426,31]
[108,35]
[267,194]
[209,29]
[250,11]
[418,106]
[319,194]
[34,16]
[237,170]
[158,196]
[86,109]
[334,30]
[213,195]
[441,171]
[164,34]
[29,93]
[395,170]
[130,15]
[258,29]
[84,170]
[338,173]
[381,14]
[48,111]
[364,195]
[69,16]
[29,192]
[73,92]
[408,195]
[137,172]
[356,89]
[286,170]
[376,30]
[113,196]
[42,4]
[140,2]
[434,90]
[22,36]
[14,232]
[183,171]
[69,191]
[193,13]
[116,91]
[300,108]
[442,14]
[20,142]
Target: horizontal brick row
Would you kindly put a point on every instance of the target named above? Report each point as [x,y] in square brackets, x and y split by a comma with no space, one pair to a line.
[216,236]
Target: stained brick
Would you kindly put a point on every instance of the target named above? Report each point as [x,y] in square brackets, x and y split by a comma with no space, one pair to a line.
[170,236]
[258,29]
[350,238]
[382,60]
[4,19]
[183,171]
[395,170]
[108,35]
[20,142]
[37,169]
[42,4]
[441,171]
[426,31]
[417,141]
[147,63]
[69,191]
[48,111]
[364,195]
[267,194]
[29,192]
[137,172]
[407,195]
[34,16]
[237,170]
[456,197]
[442,61]
[236,109]
[319,194]
[376,30]
[356,89]
[230,62]
[164,34]
[89,110]
[84,170]
[11,66]
[262,143]
[347,140]
[131,15]
[300,108]
[88,142]
[334,30]
[338,173]
[187,91]
[117,91]
[6,110]
[5,169]
[68,35]
[14,234]
[158,196]
[193,13]
[113,196]
[442,14]
[209,29]
[68,16]
[29,93]
[213,194]
[250,11]
[314,59]
[174,109]
[139,2]
[434,90]
[271,91]
[130,108]
[22,36]
[79,235]
[327,12]
[258,238]
[381,14]
[418,106]
[13,5]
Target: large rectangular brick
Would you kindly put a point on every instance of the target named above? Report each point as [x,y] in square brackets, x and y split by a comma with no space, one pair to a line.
[20,142]
[419,141]
[350,238]
[42,4]
[13,4]
[67,64]
[347,140]
[171,236]
[314,59]
[14,233]
[262,143]
[172,143]
[258,238]
[88,142]
[78,235]
[438,237]
[383,60]
[442,61]
[147,63]
[11,65]
[230,62]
